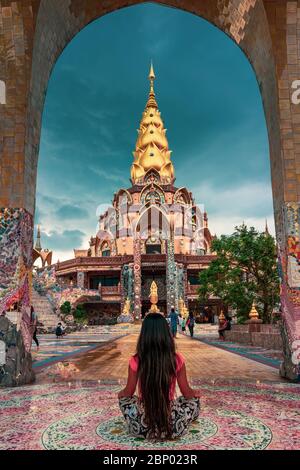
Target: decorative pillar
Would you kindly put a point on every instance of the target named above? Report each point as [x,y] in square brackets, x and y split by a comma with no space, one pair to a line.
[181,287]
[289,271]
[81,279]
[185,287]
[172,291]
[16,237]
[127,285]
[137,277]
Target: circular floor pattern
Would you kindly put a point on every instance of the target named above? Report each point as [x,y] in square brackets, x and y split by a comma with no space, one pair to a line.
[114,430]
[71,433]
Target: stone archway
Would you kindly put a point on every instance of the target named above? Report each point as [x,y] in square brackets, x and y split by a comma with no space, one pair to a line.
[33,33]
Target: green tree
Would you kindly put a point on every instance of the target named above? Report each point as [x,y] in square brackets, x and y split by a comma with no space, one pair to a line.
[244,271]
[65,308]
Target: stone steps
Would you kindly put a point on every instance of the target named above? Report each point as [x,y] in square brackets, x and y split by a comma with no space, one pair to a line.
[44,310]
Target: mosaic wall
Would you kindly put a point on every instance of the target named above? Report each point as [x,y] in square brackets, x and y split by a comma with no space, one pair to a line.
[80,280]
[127,284]
[292,218]
[72,295]
[137,277]
[289,271]
[16,237]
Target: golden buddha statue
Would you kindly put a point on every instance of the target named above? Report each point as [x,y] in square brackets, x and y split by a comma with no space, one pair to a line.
[126,308]
[152,151]
[183,310]
[180,305]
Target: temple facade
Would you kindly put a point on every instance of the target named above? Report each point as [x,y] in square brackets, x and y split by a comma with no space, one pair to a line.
[152,231]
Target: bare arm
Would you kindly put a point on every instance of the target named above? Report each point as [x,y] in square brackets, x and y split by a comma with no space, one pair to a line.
[129,390]
[185,389]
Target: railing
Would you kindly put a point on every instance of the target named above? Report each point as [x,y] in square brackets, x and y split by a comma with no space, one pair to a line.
[120,260]
[94,261]
[194,259]
[110,289]
[155,258]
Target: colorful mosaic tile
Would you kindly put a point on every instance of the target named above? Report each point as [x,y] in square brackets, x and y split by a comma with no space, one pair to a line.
[234,415]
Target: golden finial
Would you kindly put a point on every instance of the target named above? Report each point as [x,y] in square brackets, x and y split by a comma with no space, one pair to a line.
[253,315]
[151,101]
[151,73]
[222,316]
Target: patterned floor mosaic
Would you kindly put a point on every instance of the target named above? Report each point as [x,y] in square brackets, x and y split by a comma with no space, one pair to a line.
[234,415]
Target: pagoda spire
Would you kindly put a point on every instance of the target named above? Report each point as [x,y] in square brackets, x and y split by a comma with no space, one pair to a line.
[267,228]
[38,245]
[152,148]
[151,103]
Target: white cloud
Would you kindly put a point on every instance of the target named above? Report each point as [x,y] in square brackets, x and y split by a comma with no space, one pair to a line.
[243,200]
[225,225]
[109,175]
[249,202]
[62,255]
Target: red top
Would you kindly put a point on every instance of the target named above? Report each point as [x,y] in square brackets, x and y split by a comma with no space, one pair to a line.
[134,364]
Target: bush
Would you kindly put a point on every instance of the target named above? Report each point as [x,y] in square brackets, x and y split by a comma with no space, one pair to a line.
[80,314]
[65,308]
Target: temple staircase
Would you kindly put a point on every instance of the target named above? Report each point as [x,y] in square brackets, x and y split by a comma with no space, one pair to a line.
[47,316]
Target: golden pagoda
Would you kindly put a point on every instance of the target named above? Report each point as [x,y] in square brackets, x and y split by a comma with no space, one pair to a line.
[141,239]
[152,149]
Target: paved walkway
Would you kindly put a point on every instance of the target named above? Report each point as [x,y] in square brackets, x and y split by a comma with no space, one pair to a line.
[203,361]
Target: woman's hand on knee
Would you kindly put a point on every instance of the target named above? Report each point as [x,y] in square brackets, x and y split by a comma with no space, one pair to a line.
[123,394]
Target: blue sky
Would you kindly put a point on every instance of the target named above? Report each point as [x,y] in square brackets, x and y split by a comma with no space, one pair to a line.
[210,103]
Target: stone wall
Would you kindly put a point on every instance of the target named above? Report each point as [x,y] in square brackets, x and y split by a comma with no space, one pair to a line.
[268,337]
[17,369]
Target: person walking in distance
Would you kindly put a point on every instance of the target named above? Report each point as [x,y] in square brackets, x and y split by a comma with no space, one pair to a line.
[191,323]
[174,321]
[33,322]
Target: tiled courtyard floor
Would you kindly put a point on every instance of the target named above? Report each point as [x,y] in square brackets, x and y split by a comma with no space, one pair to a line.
[73,405]
[53,350]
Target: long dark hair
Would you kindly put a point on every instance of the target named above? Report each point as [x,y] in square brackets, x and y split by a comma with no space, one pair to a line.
[157,368]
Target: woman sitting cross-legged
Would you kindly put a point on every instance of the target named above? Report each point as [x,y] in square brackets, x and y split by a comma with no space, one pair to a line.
[155,368]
